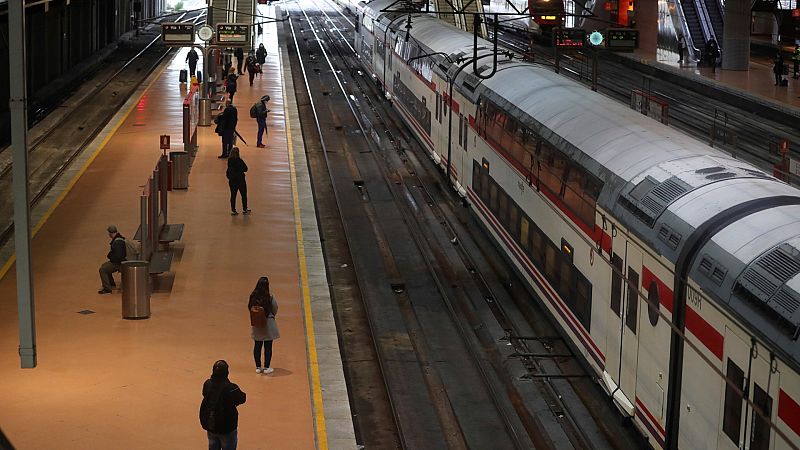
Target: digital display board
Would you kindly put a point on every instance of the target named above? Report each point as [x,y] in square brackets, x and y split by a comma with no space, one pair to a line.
[233,33]
[622,39]
[177,33]
[569,37]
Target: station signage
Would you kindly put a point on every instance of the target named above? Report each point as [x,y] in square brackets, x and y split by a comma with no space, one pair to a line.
[233,33]
[177,33]
[569,37]
[622,39]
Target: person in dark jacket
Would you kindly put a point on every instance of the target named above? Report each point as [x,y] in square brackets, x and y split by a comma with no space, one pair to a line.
[251,66]
[236,180]
[218,413]
[116,255]
[226,128]
[261,54]
[796,61]
[230,85]
[261,119]
[777,68]
[263,335]
[192,58]
[239,54]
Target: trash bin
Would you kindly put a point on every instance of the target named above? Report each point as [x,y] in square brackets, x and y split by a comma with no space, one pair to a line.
[205,112]
[180,169]
[135,290]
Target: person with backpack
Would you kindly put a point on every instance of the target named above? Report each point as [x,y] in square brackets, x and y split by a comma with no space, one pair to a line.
[226,128]
[259,112]
[117,253]
[263,327]
[230,84]
[218,413]
[251,66]
[236,180]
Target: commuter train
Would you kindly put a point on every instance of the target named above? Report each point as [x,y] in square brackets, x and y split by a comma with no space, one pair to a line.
[671,267]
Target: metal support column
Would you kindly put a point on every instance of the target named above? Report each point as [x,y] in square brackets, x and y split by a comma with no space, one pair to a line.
[18,105]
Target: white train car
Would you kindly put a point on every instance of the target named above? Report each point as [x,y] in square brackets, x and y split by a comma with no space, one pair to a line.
[673,269]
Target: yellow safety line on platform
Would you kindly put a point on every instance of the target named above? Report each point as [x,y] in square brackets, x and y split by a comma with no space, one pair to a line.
[311,342]
[63,195]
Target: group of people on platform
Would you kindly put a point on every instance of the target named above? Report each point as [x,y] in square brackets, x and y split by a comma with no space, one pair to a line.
[218,414]
[218,410]
[780,69]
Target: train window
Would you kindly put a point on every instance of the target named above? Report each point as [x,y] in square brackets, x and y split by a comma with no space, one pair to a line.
[502,208]
[616,283]
[476,177]
[438,106]
[514,223]
[565,282]
[493,196]
[653,300]
[466,131]
[460,130]
[523,232]
[761,430]
[537,246]
[551,262]
[732,419]
[484,192]
[583,301]
[632,307]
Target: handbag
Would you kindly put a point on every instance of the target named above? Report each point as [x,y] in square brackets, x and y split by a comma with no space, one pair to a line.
[258,318]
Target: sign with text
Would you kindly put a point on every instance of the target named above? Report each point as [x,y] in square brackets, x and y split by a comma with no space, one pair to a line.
[622,39]
[569,37]
[164,141]
[177,33]
[233,33]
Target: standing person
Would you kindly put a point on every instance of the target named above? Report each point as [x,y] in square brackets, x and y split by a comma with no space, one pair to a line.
[777,68]
[236,180]
[192,58]
[239,54]
[261,54]
[251,66]
[116,254]
[226,128]
[263,309]
[681,48]
[230,84]
[796,61]
[713,54]
[259,112]
[218,413]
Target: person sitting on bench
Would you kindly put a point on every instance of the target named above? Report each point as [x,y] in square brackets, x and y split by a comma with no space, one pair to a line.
[116,255]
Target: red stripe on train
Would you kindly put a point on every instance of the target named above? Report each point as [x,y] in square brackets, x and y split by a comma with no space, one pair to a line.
[789,411]
[706,333]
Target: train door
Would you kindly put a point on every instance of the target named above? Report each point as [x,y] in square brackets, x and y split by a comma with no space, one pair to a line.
[622,344]
[753,370]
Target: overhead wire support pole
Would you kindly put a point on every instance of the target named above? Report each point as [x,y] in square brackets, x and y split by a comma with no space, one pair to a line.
[18,106]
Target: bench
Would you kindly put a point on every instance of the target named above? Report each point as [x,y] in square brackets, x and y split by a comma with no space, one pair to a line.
[160,261]
[170,232]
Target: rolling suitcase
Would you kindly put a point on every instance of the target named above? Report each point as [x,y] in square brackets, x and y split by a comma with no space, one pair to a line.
[184,76]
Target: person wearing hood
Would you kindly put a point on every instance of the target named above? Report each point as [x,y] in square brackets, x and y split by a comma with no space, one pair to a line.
[116,254]
[218,413]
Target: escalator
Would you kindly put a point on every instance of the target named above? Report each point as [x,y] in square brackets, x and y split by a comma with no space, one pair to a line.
[693,23]
[715,13]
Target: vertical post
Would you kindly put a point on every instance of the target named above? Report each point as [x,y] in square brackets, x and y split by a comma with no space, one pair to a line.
[18,104]
[594,70]
[145,231]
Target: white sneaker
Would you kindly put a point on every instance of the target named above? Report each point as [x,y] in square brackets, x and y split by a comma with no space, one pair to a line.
[268,370]
[259,370]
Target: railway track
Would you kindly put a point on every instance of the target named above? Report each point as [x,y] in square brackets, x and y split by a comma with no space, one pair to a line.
[438,300]
[52,152]
[737,132]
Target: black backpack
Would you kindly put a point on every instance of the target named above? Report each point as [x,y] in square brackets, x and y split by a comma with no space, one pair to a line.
[211,410]
[254,110]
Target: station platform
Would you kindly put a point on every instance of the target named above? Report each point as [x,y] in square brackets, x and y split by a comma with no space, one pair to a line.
[756,85]
[106,382]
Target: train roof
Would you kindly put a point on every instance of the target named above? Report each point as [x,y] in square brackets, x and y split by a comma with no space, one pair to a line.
[658,182]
